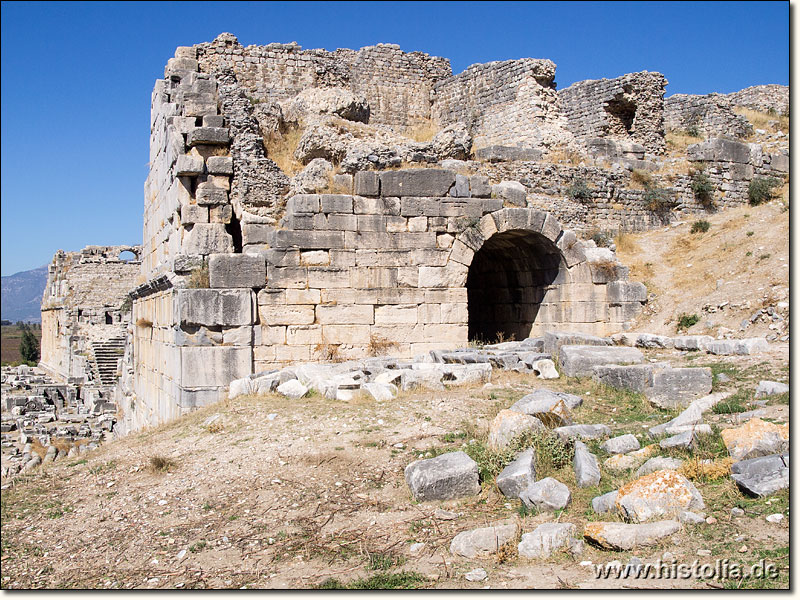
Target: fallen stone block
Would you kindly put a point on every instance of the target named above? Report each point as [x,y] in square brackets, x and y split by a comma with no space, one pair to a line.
[762,476]
[756,438]
[681,440]
[658,463]
[546,494]
[240,387]
[518,475]
[692,415]
[636,378]
[587,473]
[482,542]
[737,347]
[380,391]
[659,494]
[688,517]
[445,477]
[770,388]
[512,192]
[553,340]
[691,342]
[673,388]
[545,369]
[496,153]
[550,409]
[621,462]
[508,425]
[292,389]
[627,536]
[428,379]
[545,540]
[583,432]
[605,503]
[649,340]
[579,361]
[621,444]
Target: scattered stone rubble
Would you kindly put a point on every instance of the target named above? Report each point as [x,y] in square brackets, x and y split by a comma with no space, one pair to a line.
[44,421]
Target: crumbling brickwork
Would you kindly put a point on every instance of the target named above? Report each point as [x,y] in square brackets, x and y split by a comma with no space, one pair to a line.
[763,98]
[705,116]
[628,108]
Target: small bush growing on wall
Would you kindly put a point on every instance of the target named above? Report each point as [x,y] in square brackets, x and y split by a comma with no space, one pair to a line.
[199,278]
[659,199]
[642,177]
[579,190]
[761,189]
[702,188]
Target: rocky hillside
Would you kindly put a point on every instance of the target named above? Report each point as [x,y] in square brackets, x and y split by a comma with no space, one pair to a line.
[22,295]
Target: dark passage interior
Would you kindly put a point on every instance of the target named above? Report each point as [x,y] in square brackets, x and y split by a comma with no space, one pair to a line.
[506,283]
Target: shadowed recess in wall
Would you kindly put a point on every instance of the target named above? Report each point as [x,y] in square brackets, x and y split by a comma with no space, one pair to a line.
[506,283]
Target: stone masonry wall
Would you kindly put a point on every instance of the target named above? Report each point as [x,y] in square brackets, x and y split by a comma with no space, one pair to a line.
[512,102]
[628,108]
[397,85]
[706,116]
[82,306]
[763,98]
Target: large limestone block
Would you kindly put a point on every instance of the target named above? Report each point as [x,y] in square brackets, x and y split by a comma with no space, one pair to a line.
[770,388]
[577,361]
[620,292]
[673,388]
[658,463]
[207,238]
[512,192]
[627,536]
[509,424]
[691,342]
[228,308]
[214,366]
[756,438]
[661,494]
[583,432]
[518,475]
[636,378]
[546,495]
[448,476]
[719,150]
[417,182]
[550,409]
[738,347]
[553,340]
[237,271]
[587,472]
[482,542]
[762,476]
[213,136]
[546,539]
[621,444]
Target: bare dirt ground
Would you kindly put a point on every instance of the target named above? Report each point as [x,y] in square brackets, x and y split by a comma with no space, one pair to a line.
[291,494]
[741,264]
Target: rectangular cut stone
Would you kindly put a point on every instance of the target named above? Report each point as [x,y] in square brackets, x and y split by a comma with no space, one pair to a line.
[303,334]
[303,203]
[221,214]
[297,314]
[212,136]
[208,307]
[220,165]
[309,239]
[208,238]
[257,233]
[366,183]
[187,165]
[357,314]
[302,296]
[191,214]
[238,336]
[415,207]
[287,277]
[417,182]
[578,361]
[336,203]
[211,196]
[396,313]
[214,366]
[346,334]
[237,271]
[343,222]
[626,291]
[328,277]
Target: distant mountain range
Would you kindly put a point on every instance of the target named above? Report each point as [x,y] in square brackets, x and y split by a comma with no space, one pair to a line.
[21,298]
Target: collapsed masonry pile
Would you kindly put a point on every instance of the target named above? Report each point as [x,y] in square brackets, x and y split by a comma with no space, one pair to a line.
[43,420]
[654,505]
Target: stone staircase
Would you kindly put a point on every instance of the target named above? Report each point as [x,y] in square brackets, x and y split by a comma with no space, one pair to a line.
[106,356]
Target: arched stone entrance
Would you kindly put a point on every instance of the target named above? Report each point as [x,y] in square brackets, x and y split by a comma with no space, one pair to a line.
[507,281]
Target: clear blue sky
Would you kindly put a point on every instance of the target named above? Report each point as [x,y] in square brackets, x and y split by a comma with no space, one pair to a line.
[77,77]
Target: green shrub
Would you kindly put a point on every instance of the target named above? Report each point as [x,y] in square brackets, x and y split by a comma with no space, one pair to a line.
[579,190]
[761,189]
[199,278]
[29,345]
[685,321]
[702,188]
[693,130]
[659,200]
[700,226]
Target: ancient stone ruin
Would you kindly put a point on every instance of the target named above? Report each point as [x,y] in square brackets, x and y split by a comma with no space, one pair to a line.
[306,205]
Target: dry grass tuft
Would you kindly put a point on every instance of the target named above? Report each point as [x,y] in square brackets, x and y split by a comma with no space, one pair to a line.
[379,346]
[695,469]
[160,464]
[760,120]
[678,141]
[199,278]
[641,179]
[626,243]
[328,352]
[144,323]
[424,131]
[281,147]
[607,267]
[564,156]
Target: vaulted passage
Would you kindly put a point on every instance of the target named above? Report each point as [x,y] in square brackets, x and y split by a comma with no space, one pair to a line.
[507,280]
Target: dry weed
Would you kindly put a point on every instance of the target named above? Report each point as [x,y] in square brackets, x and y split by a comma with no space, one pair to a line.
[328,352]
[626,243]
[424,131]
[761,120]
[160,464]
[379,346]
[281,147]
